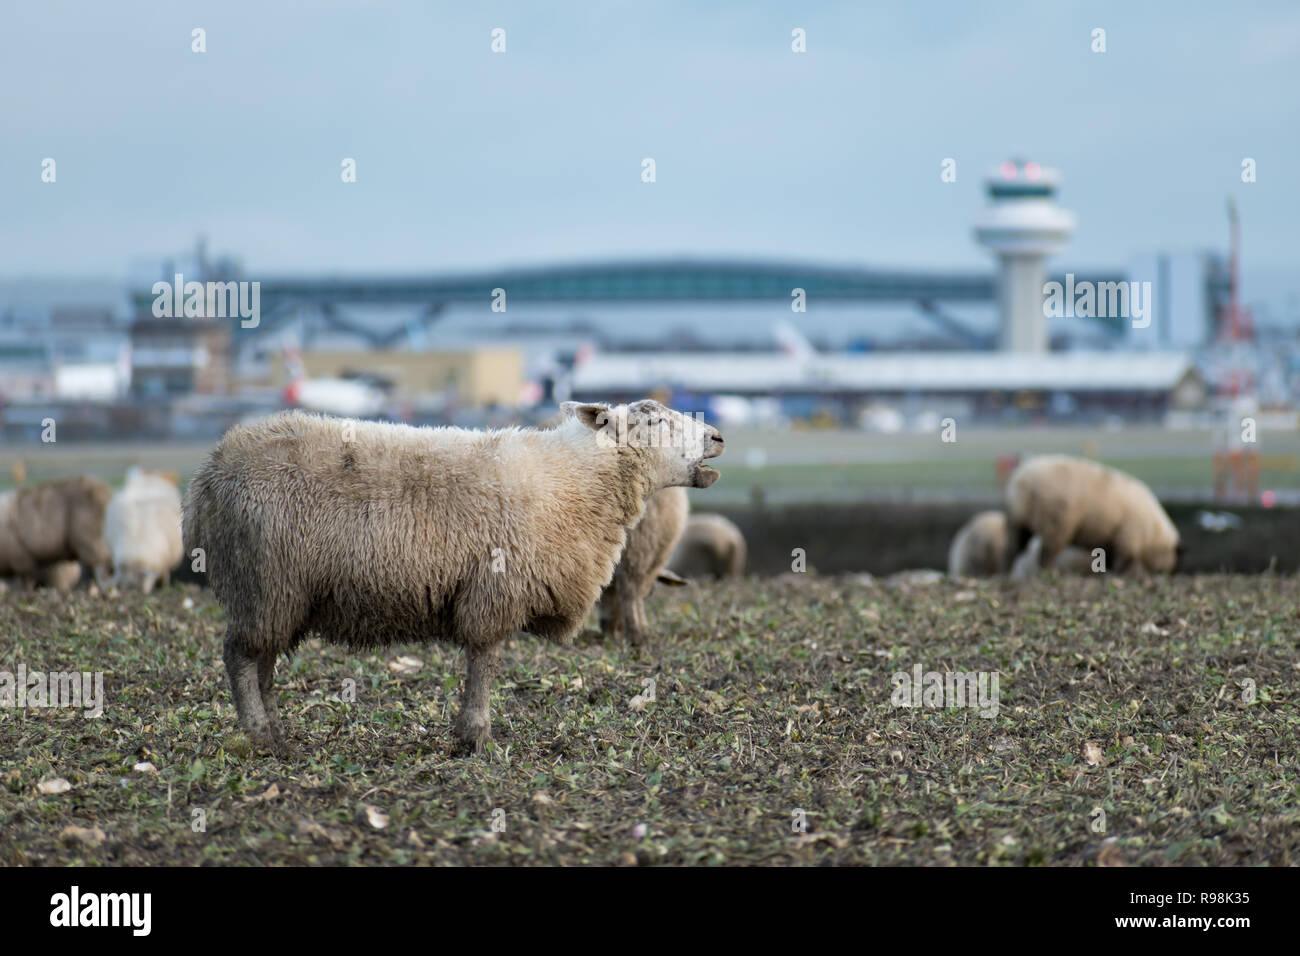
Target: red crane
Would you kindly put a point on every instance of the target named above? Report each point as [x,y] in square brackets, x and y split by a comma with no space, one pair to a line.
[1237,460]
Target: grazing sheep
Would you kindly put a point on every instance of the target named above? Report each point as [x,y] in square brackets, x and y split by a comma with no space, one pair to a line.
[711,546]
[1072,501]
[143,529]
[622,604]
[53,522]
[979,547]
[979,551]
[370,534]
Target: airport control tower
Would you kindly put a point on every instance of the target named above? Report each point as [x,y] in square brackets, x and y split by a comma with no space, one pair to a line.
[1023,225]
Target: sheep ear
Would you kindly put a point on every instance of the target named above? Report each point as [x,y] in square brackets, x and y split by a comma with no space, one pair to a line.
[594,416]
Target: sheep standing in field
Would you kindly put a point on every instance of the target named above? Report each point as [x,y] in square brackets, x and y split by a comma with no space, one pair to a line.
[143,529]
[369,534]
[979,551]
[622,603]
[711,546]
[53,522]
[1072,501]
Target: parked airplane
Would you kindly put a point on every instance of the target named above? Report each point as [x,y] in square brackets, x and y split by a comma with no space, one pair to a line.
[349,397]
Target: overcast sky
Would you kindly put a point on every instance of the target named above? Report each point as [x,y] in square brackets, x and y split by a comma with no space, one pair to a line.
[470,159]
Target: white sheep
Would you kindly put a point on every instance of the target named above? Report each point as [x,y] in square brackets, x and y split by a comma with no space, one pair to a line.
[143,529]
[370,534]
[1072,501]
[711,546]
[649,544]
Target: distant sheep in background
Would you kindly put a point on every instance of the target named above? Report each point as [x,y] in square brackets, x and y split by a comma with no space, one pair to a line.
[711,546]
[649,544]
[369,534]
[51,523]
[979,551]
[63,576]
[1072,501]
[143,529]
[980,546]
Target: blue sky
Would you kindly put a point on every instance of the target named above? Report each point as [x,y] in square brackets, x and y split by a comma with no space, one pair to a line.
[470,159]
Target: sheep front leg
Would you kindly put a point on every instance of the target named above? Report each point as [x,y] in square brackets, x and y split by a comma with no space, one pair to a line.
[635,624]
[1128,564]
[629,605]
[474,724]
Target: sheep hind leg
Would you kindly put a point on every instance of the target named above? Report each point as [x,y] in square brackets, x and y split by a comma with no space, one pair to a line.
[473,727]
[611,613]
[266,690]
[242,667]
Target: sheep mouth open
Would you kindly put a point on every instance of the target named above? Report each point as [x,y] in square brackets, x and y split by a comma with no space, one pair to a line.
[705,476]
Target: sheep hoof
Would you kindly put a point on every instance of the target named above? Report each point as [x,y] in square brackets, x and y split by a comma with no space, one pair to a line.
[471,740]
[278,746]
[469,748]
[279,740]
[269,739]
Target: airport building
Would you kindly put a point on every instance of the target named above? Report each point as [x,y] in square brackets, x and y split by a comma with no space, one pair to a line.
[1067,385]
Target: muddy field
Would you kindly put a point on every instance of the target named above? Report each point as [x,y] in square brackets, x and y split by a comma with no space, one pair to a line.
[1144,723]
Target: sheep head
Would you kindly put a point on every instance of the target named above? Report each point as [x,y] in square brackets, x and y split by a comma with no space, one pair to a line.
[675,444]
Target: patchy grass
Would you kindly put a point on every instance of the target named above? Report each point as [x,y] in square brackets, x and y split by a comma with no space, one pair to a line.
[771,696]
